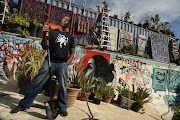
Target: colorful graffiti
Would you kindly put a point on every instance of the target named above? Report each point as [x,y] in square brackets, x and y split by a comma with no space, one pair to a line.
[125,38]
[163,78]
[174,81]
[159,44]
[159,79]
[142,42]
[170,99]
[11,44]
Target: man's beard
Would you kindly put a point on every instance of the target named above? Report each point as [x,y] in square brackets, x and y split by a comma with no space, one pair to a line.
[63,25]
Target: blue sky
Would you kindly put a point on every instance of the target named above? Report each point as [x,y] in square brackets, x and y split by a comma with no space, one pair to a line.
[168,10]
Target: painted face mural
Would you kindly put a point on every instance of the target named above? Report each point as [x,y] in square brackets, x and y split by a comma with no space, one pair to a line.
[98,64]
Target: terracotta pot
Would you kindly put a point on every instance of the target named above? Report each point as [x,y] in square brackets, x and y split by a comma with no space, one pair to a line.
[82,96]
[72,93]
[108,99]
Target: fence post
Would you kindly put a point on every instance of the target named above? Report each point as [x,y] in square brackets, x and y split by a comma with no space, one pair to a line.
[49,12]
[20,8]
[72,23]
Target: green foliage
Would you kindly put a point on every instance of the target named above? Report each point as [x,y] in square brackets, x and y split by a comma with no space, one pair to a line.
[31,62]
[35,23]
[119,89]
[155,19]
[125,49]
[176,110]
[125,92]
[141,96]
[131,49]
[83,81]
[109,91]
[165,25]
[26,33]
[145,55]
[14,18]
[99,86]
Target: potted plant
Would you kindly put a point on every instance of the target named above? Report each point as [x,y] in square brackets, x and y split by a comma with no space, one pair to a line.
[97,94]
[125,49]
[30,64]
[125,98]
[17,24]
[72,88]
[119,90]
[108,94]
[131,49]
[86,83]
[141,97]
[34,26]
[176,109]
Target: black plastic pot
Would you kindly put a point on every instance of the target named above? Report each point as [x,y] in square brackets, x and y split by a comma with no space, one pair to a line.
[97,101]
[136,106]
[15,28]
[33,31]
[118,100]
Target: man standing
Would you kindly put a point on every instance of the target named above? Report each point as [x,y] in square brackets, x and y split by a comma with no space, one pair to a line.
[60,44]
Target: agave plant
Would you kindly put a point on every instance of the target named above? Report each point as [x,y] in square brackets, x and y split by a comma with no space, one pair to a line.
[85,82]
[141,96]
[31,62]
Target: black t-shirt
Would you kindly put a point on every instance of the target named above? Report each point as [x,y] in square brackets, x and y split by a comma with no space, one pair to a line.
[60,44]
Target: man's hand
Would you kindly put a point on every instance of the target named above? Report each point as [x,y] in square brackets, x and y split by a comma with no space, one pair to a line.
[45,28]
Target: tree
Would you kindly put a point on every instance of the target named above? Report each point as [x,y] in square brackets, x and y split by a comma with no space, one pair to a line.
[165,26]
[146,17]
[155,19]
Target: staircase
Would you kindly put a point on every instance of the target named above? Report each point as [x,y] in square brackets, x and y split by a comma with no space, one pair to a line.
[104,32]
[4,8]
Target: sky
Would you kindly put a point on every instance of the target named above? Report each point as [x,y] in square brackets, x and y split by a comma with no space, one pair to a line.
[168,10]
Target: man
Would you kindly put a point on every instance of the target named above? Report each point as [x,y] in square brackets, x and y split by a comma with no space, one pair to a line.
[60,43]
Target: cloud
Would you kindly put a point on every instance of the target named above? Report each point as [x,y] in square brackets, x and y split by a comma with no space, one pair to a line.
[168,10]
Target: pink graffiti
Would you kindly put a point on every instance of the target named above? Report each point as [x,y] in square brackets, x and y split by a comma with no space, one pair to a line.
[134,65]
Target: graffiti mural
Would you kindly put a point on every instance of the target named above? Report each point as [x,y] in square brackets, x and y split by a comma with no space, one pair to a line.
[170,99]
[124,39]
[142,42]
[164,78]
[159,44]
[11,44]
[97,63]
[133,66]
[174,81]
[159,79]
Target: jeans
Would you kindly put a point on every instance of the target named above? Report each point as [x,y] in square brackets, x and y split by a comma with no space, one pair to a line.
[37,83]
